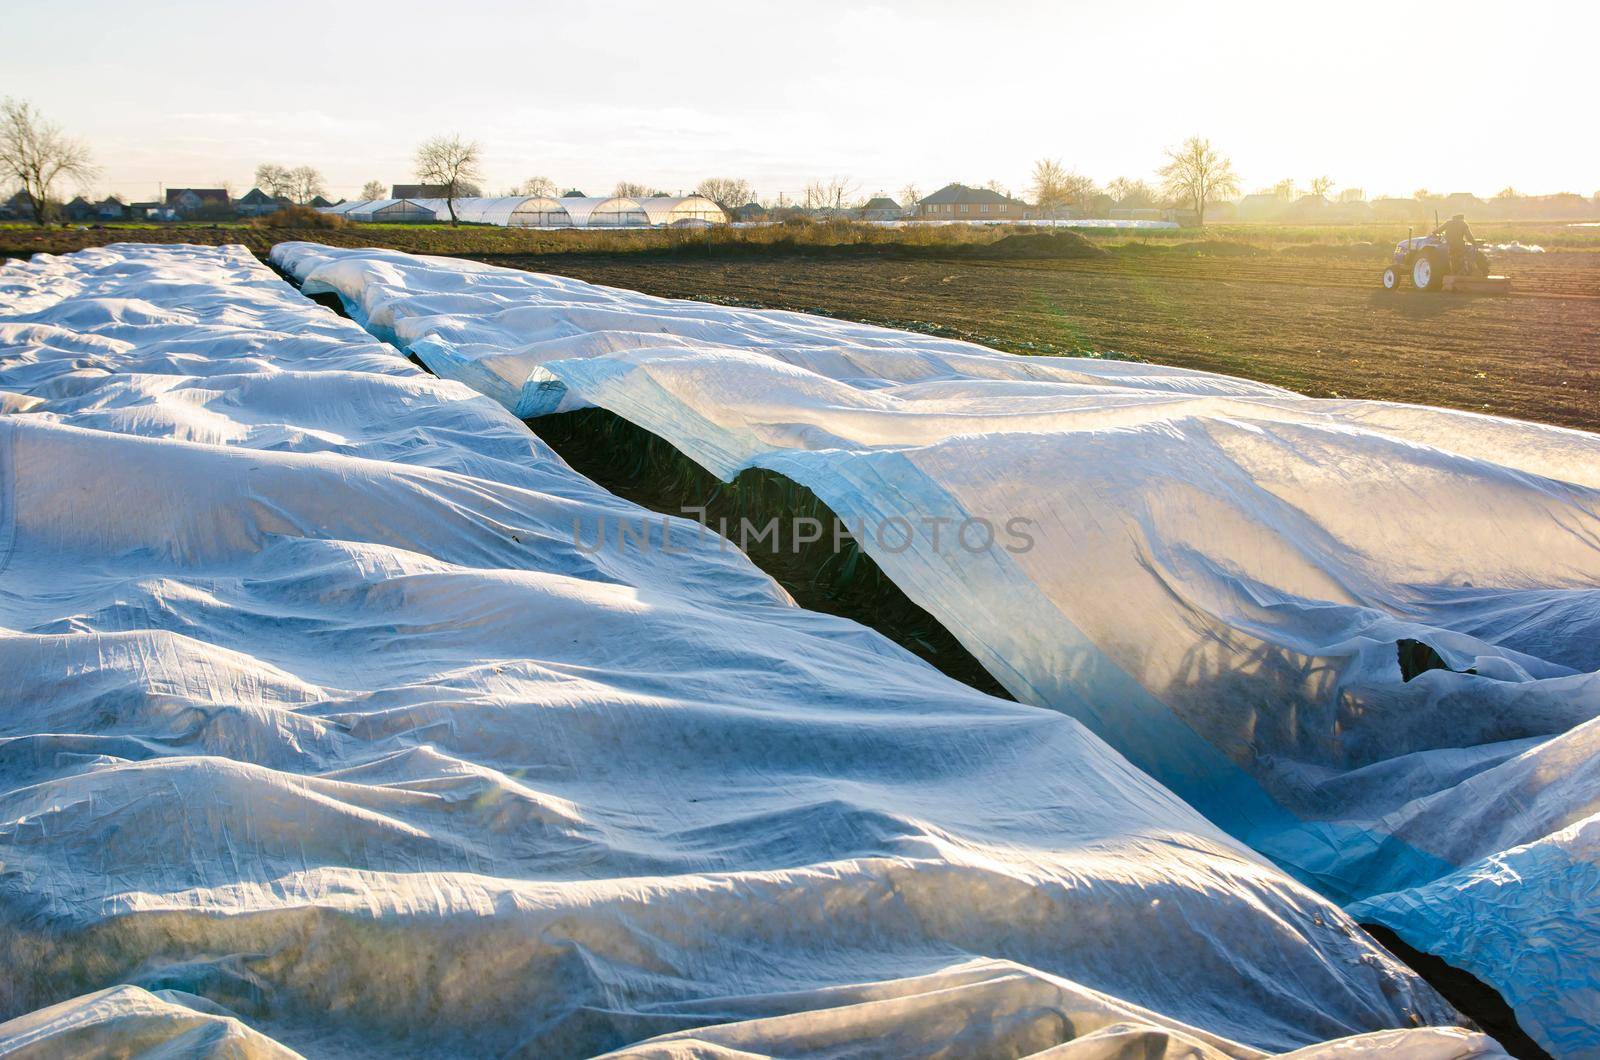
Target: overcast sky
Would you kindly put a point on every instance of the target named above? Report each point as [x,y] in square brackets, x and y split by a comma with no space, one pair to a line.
[1389,96]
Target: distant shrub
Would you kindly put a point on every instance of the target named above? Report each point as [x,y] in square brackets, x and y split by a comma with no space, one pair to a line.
[298,217]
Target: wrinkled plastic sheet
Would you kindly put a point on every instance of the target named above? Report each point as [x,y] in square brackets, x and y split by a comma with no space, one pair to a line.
[322,732]
[1231,583]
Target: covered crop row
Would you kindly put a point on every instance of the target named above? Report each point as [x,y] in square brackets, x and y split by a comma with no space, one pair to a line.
[1362,637]
[326,728]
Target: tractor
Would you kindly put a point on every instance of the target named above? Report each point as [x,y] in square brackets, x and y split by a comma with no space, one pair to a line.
[1425,261]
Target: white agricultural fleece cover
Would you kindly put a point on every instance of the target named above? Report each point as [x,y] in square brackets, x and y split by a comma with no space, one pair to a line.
[1221,576]
[317,728]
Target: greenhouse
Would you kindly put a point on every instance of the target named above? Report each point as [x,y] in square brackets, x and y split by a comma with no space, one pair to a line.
[683,211]
[507,211]
[542,211]
[606,212]
[387,211]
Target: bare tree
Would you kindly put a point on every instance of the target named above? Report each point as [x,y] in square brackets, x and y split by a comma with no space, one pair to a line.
[840,191]
[36,153]
[627,189]
[453,164]
[1284,189]
[1081,192]
[305,184]
[1133,194]
[1050,186]
[831,194]
[374,189]
[1508,193]
[1198,174]
[277,181]
[1322,185]
[730,193]
[536,186]
[909,197]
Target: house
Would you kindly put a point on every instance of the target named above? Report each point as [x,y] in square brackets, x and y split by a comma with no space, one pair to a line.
[1395,209]
[957,202]
[881,208]
[1308,209]
[19,207]
[319,203]
[1263,206]
[257,203]
[199,202]
[79,210]
[1463,202]
[750,211]
[418,191]
[1349,211]
[148,211]
[110,208]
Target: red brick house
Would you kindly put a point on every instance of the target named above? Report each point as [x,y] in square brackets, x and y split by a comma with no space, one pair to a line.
[957,202]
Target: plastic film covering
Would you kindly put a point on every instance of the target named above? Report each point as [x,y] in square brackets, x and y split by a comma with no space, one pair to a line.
[338,707]
[1363,637]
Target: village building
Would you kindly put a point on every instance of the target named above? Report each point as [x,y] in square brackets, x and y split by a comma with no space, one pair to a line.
[957,202]
[881,208]
[199,202]
[257,203]
[419,191]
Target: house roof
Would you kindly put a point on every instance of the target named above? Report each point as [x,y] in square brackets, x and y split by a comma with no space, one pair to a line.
[960,193]
[175,195]
[254,197]
[318,202]
[881,202]
[418,191]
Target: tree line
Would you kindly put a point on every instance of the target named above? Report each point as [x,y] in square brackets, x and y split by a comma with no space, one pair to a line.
[37,156]
[1195,176]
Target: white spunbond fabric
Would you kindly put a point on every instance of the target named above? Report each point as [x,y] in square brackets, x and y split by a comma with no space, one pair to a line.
[1222,581]
[318,712]
[125,1021]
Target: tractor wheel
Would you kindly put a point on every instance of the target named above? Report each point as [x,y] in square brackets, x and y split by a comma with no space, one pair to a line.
[1427,272]
[1391,279]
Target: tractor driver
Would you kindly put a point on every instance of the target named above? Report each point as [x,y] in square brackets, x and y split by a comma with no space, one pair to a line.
[1456,236]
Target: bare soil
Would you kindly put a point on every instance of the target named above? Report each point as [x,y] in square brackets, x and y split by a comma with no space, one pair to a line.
[1308,315]
[1320,325]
